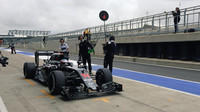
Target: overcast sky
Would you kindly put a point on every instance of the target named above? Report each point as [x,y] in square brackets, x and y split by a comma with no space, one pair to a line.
[67,15]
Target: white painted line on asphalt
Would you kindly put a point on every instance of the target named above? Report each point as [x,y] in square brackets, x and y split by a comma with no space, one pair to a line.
[2,106]
[157,75]
[159,86]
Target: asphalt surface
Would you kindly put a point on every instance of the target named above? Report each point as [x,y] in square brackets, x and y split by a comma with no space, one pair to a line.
[22,95]
[180,73]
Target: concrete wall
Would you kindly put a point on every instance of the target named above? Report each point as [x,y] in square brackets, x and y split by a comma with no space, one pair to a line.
[179,37]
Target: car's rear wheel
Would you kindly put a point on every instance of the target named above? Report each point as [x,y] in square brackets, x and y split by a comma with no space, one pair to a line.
[103,75]
[29,70]
[56,80]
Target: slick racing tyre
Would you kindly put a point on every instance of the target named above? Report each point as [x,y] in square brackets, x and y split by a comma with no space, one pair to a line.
[29,70]
[103,75]
[55,81]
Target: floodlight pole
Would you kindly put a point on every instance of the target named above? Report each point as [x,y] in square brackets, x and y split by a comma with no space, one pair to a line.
[104,30]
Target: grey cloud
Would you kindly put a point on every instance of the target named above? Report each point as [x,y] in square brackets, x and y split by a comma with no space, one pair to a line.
[67,15]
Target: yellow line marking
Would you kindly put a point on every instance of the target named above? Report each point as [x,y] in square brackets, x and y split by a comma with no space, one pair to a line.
[41,96]
[30,82]
[46,94]
[102,99]
[169,99]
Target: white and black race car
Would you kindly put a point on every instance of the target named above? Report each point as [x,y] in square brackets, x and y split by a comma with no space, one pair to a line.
[70,81]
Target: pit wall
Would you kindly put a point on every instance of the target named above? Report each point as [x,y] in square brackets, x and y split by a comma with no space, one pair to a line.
[54,45]
[180,46]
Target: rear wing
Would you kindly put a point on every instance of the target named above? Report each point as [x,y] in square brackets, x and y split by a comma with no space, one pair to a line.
[42,53]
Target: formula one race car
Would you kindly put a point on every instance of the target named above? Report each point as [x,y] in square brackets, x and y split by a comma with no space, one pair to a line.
[67,80]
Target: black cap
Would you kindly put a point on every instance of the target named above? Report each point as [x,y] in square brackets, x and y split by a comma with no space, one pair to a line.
[61,39]
[112,38]
[79,37]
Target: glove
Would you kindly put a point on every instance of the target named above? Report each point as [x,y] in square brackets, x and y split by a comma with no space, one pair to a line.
[91,50]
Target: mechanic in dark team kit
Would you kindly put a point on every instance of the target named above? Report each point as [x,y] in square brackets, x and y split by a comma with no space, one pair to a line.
[12,46]
[110,49]
[3,60]
[84,52]
[64,48]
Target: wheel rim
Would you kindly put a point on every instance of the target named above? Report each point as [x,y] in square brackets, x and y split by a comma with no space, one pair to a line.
[99,78]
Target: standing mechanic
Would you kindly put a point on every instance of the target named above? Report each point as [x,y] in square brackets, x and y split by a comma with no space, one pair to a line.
[12,46]
[64,48]
[84,52]
[110,49]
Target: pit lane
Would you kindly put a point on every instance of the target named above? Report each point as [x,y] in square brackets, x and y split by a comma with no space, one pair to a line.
[21,95]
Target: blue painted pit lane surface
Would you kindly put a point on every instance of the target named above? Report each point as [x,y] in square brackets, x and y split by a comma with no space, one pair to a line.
[25,53]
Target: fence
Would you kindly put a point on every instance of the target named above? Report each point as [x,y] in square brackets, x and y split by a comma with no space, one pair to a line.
[154,24]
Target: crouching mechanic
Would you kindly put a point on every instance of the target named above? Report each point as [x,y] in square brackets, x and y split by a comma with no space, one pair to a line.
[85,49]
[110,48]
[64,48]
[3,60]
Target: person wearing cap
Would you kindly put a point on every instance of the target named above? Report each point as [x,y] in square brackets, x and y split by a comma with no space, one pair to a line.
[87,34]
[84,52]
[64,48]
[110,48]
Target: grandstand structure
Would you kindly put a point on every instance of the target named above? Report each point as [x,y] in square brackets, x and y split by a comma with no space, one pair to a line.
[28,33]
[20,36]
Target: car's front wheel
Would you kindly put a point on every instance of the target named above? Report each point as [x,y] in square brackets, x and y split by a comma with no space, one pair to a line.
[103,75]
[55,81]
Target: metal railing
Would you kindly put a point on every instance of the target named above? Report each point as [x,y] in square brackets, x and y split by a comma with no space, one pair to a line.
[154,24]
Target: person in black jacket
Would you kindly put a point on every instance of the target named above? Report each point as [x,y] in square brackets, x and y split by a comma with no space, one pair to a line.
[110,48]
[177,18]
[3,60]
[84,52]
